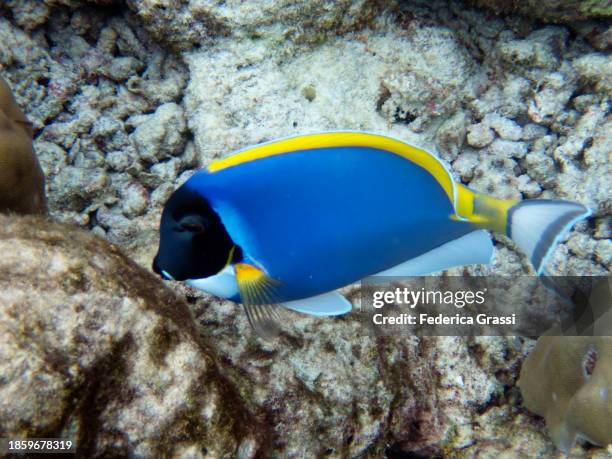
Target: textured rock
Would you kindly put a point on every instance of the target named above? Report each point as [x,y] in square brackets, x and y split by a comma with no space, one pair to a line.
[85,118]
[541,49]
[370,395]
[160,135]
[80,3]
[28,14]
[507,148]
[567,380]
[75,188]
[551,10]
[451,135]
[479,135]
[550,100]
[184,24]
[22,183]
[430,78]
[96,349]
[596,69]
[504,127]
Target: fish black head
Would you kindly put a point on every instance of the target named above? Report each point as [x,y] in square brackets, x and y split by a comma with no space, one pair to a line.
[193,240]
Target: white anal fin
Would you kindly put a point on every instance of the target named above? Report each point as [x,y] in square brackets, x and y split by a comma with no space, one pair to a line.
[472,249]
[326,304]
[222,284]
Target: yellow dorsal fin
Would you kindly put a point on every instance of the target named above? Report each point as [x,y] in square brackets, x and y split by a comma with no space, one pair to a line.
[343,139]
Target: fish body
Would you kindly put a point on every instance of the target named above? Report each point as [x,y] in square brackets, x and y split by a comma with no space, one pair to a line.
[319,219]
[298,218]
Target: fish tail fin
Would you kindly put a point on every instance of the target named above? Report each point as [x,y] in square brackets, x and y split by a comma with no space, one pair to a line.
[536,225]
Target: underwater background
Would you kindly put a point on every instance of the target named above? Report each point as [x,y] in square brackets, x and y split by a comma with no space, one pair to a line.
[128,98]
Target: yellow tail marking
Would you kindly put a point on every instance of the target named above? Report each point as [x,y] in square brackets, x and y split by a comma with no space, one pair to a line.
[485,211]
[343,139]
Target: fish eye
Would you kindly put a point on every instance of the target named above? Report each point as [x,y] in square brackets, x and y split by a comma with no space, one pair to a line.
[193,223]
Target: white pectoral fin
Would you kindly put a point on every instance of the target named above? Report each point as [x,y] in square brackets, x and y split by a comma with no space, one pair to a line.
[223,284]
[471,249]
[326,304]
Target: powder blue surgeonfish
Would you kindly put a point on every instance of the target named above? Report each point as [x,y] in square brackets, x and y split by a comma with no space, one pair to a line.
[290,221]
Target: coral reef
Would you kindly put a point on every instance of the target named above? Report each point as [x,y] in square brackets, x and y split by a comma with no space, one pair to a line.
[126,101]
[567,380]
[551,10]
[95,349]
[22,184]
[184,24]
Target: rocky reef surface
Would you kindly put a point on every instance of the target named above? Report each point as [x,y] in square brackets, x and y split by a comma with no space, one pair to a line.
[127,99]
[97,350]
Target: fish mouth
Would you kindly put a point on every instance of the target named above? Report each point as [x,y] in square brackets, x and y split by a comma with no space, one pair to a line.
[157,270]
[166,276]
[160,272]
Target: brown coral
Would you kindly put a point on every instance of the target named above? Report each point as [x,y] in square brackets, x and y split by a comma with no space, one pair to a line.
[568,380]
[96,349]
[22,183]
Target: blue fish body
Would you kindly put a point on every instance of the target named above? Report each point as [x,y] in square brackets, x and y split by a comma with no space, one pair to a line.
[319,219]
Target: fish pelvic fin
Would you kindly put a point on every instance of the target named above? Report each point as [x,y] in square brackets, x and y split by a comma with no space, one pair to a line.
[258,295]
[535,225]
